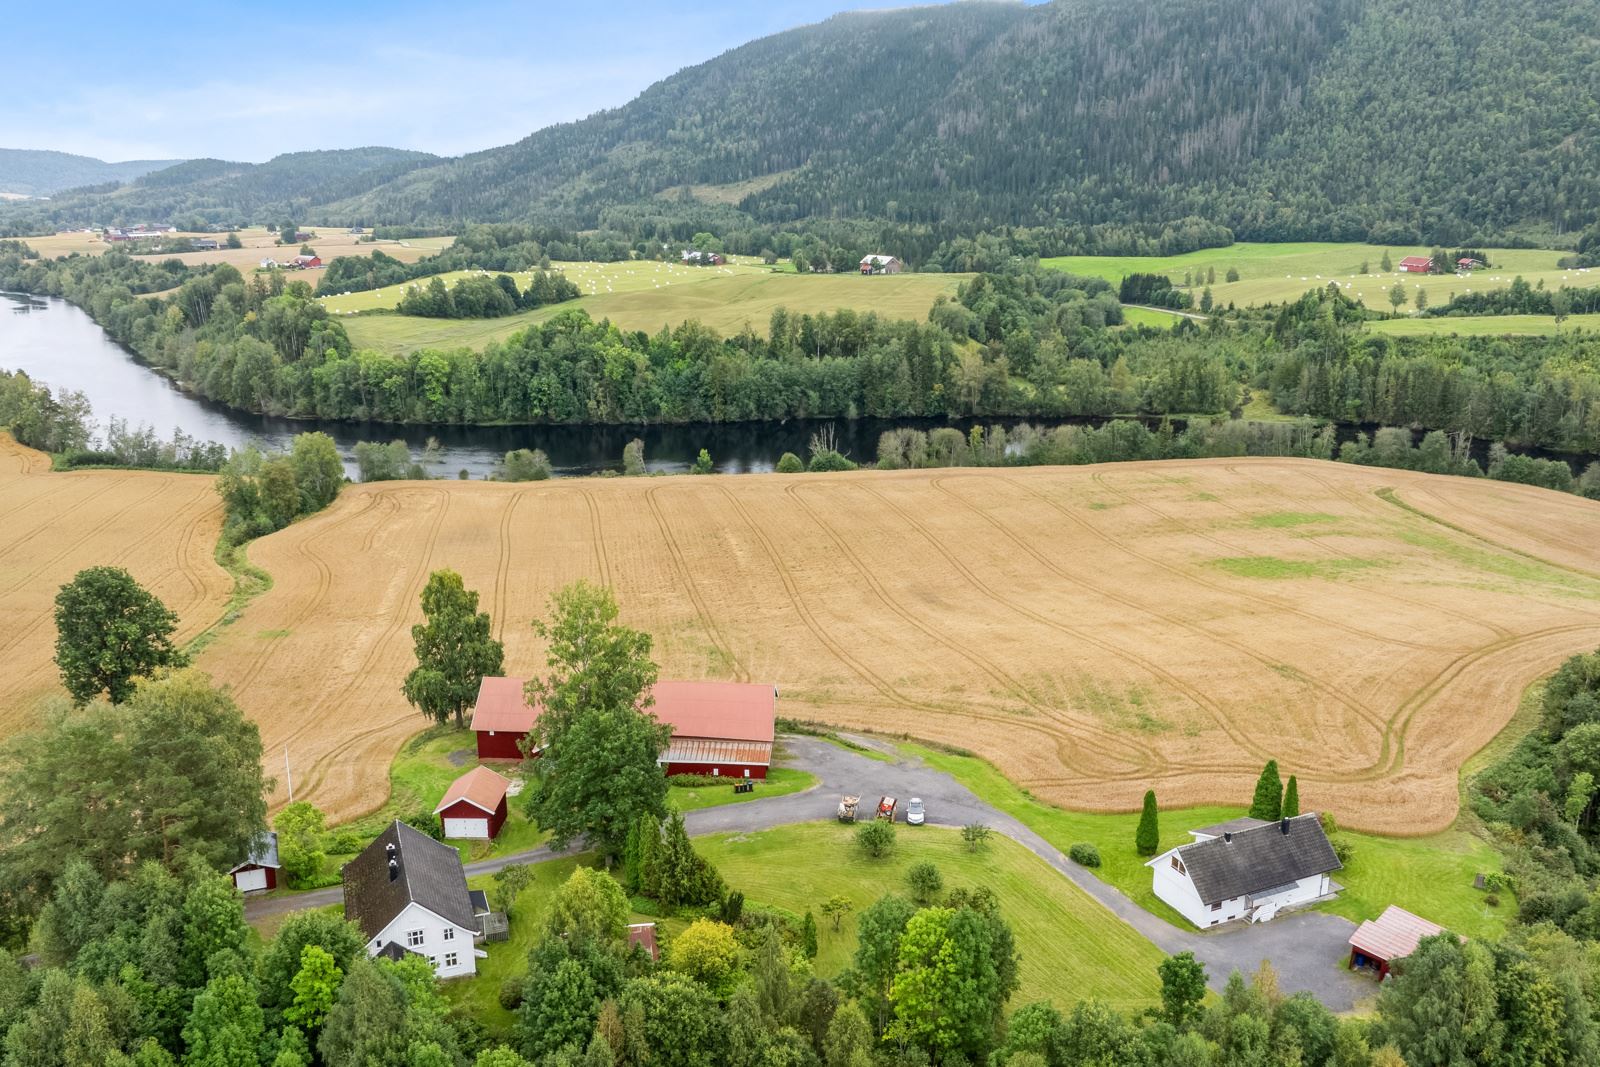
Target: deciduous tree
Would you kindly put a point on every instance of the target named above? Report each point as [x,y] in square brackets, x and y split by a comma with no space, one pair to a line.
[455,648]
[110,631]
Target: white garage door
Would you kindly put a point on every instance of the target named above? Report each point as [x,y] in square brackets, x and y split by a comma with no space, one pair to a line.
[251,881]
[473,828]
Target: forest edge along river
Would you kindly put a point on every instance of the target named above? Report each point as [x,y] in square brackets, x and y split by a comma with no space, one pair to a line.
[58,344]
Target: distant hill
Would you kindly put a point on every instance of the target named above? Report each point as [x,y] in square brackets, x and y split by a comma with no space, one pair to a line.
[219,191]
[1400,121]
[41,173]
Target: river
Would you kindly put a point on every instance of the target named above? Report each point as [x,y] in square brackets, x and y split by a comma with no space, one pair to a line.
[61,346]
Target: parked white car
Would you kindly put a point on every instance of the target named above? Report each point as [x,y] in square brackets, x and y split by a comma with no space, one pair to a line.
[914,812]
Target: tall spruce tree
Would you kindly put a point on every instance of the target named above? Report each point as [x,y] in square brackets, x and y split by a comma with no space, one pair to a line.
[1291,799]
[1268,802]
[1148,837]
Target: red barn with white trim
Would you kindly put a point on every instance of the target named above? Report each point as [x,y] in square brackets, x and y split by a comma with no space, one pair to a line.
[1416,265]
[259,871]
[474,807]
[725,729]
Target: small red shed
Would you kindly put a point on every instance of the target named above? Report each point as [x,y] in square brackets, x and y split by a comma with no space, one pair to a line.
[643,935]
[259,872]
[501,718]
[474,807]
[1378,943]
[1416,265]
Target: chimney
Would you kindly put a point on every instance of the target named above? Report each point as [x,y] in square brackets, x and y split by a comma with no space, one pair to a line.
[1283,827]
[394,868]
[1227,837]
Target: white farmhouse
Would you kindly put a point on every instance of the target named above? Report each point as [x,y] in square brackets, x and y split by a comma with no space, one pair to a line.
[1247,869]
[408,893]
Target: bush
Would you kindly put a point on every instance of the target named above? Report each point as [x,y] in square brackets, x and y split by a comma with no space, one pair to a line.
[829,460]
[346,842]
[1492,900]
[427,822]
[732,907]
[511,992]
[1084,854]
[976,835]
[924,881]
[523,465]
[1342,849]
[876,838]
[789,463]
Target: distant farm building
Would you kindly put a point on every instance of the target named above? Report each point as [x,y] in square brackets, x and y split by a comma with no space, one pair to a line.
[881,264]
[474,807]
[259,871]
[305,262]
[701,259]
[268,263]
[1416,265]
[643,935]
[724,729]
[205,244]
[1394,935]
[408,893]
[1468,263]
[1247,869]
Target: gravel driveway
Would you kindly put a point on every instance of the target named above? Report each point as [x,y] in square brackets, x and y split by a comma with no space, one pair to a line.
[1306,948]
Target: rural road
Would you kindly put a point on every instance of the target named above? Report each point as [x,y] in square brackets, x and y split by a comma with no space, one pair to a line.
[1308,949]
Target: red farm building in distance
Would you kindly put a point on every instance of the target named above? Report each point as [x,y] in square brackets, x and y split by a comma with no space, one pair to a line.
[718,728]
[1416,265]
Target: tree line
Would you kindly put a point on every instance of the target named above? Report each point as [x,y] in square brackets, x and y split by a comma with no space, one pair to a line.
[483,297]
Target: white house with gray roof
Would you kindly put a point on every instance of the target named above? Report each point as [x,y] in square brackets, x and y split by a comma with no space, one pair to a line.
[408,893]
[1247,869]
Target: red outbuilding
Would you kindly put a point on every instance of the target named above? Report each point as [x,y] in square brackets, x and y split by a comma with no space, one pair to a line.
[1394,935]
[307,262]
[259,871]
[1416,265]
[474,807]
[724,729]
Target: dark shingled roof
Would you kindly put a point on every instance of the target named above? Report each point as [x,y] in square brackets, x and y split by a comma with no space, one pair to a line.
[1232,826]
[430,875]
[1262,858]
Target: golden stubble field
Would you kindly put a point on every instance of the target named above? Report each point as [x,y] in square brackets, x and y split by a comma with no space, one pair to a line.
[161,527]
[1095,631]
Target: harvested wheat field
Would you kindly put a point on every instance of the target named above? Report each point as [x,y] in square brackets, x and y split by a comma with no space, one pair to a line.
[162,527]
[1095,631]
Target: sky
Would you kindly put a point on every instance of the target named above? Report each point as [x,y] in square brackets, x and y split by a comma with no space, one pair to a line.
[250,80]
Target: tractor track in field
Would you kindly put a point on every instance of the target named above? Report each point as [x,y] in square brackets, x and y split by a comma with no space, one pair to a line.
[1112,743]
[680,564]
[1210,707]
[1172,619]
[502,573]
[601,561]
[893,698]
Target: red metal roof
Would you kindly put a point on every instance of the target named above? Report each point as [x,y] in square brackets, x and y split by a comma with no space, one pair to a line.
[502,708]
[721,711]
[1416,261]
[643,934]
[480,787]
[1392,935]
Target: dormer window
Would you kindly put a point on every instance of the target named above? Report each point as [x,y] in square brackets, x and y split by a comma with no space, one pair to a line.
[1177,865]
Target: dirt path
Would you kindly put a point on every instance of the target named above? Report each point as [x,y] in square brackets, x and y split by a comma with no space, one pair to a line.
[1305,948]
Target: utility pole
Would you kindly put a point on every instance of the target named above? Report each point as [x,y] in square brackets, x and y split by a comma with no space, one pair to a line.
[286,773]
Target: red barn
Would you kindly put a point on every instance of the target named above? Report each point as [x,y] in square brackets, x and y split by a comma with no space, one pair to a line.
[724,729]
[307,262]
[474,807]
[1416,265]
[259,871]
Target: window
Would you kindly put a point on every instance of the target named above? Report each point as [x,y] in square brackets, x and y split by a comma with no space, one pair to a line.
[433,961]
[1177,865]
[413,938]
[1217,906]
[449,933]
[450,959]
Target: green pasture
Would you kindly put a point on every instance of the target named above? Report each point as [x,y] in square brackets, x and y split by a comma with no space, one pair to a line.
[1142,316]
[1273,273]
[649,296]
[1483,325]
[1431,876]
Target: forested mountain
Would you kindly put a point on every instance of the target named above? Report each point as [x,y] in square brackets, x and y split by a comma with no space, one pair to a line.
[1402,121]
[40,173]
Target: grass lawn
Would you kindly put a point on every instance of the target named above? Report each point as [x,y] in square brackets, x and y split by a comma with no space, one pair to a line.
[1273,273]
[1140,316]
[780,781]
[1071,948]
[1430,875]
[1483,325]
[648,296]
